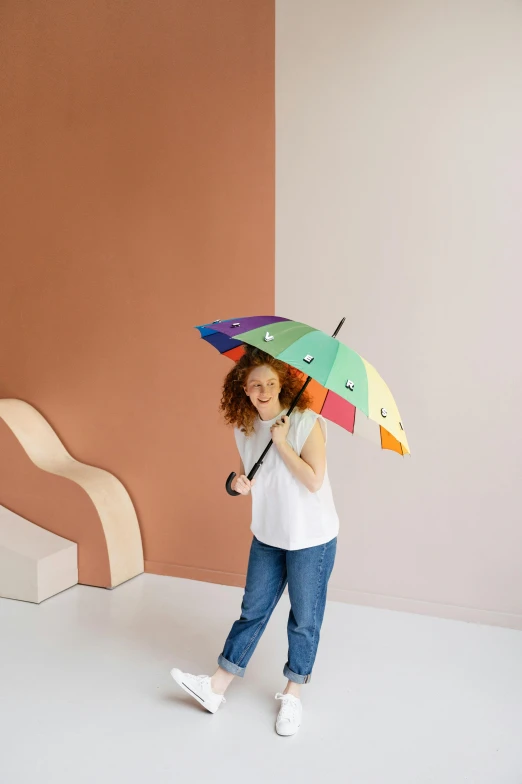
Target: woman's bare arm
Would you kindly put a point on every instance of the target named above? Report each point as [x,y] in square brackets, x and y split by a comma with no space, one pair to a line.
[310,467]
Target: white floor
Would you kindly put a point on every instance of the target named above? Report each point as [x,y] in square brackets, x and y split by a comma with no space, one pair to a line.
[86,694]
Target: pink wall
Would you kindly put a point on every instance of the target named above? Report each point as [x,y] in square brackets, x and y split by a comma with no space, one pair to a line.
[399,171]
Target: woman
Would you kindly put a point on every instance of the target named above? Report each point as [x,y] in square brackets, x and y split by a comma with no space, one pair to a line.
[294,526]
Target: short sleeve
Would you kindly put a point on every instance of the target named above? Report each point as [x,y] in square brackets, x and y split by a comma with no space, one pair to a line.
[305,426]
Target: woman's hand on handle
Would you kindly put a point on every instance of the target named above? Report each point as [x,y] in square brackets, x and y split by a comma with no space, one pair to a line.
[242,484]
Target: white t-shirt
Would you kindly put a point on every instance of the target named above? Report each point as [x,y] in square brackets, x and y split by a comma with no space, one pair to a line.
[285,513]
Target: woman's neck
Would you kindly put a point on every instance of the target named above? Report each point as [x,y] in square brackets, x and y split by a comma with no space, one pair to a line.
[272,416]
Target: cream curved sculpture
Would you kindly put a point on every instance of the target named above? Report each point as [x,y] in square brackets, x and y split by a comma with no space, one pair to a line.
[112,502]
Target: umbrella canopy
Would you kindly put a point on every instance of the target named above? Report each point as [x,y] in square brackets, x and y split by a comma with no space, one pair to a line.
[345,388]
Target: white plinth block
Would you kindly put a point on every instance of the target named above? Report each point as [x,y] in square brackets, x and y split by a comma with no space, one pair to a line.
[34,563]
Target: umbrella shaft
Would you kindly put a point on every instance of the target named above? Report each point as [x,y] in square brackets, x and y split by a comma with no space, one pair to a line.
[259,463]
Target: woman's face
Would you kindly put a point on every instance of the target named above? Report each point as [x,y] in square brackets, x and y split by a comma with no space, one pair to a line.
[263,387]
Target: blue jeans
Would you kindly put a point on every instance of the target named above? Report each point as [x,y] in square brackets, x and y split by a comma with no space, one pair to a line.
[307,572]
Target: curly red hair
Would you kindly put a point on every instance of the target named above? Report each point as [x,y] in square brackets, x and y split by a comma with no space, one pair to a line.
[236,406]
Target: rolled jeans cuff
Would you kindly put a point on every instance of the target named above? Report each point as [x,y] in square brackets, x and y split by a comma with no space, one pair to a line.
[292,676]
[229,667]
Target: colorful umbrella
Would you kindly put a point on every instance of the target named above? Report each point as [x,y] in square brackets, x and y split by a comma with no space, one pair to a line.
[344,387]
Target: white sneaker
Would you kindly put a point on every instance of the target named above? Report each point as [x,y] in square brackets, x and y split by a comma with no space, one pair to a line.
[198,686]
[290,713]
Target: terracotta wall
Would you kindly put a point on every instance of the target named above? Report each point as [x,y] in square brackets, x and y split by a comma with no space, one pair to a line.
[137,200]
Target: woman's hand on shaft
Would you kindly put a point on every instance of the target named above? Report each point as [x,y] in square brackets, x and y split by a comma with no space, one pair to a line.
[279,430]
[242,484]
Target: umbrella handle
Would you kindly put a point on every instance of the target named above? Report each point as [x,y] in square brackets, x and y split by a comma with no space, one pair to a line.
[228,484]
[253,472]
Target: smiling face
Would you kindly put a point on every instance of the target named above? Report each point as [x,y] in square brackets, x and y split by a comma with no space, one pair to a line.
[263,387]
